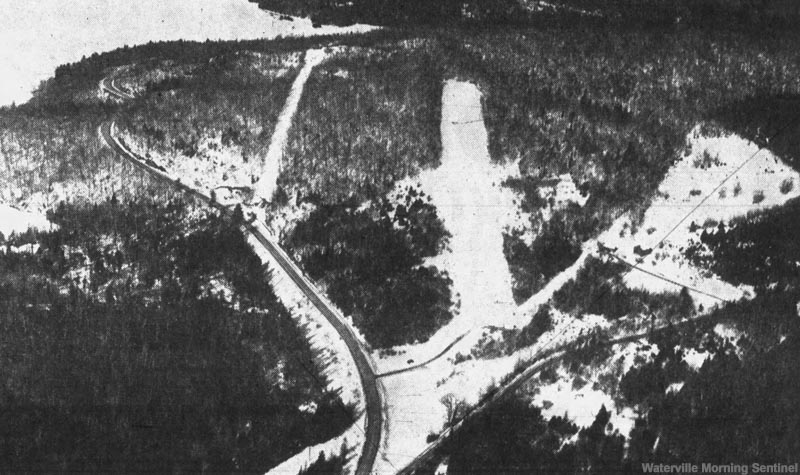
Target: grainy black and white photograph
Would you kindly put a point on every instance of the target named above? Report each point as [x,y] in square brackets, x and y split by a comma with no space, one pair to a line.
[378,237]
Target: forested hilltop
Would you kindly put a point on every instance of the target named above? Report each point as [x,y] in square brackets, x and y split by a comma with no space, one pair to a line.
[723,13]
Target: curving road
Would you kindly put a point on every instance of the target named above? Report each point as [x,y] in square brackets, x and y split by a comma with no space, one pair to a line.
[540,362]
[108,86]
[372,394]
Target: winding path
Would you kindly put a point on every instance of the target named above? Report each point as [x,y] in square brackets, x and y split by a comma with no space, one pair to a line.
[108,85]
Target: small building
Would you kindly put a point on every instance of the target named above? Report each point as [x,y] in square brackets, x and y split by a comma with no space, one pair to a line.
[566,189]
[561,190]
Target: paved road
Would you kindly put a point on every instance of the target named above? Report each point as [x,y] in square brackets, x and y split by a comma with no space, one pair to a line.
[109,86]
[372,395]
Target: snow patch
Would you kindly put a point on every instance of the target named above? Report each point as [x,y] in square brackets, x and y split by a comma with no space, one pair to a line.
[13,220]
[695,359]
[352,439]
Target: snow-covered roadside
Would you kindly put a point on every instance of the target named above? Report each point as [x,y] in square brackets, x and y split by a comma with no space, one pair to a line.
[216,167]
[332,355]
[687,184]
[331,352]
[325,340]
[223,169]
[271,165]
[352,439]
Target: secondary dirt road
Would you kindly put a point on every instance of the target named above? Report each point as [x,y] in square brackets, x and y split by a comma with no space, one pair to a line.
[272,162]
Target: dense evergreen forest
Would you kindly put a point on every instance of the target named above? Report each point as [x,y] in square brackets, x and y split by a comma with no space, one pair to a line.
[757,249]
[368,118]
[235,97]
[736,408]
[145,337]
[599,289]
[770,120]
[714,13]
[371,261]
[612,107]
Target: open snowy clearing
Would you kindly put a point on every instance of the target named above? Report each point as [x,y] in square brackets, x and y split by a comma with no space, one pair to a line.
[216,167]
[13,220]
[692,188]
[467,193]
[414,398]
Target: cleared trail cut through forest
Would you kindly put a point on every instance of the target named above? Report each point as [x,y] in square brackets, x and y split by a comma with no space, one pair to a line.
[466,192]
[272,162]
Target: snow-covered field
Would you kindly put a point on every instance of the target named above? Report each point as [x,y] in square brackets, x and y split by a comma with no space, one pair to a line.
[13,220]
[38,35]
[691,193]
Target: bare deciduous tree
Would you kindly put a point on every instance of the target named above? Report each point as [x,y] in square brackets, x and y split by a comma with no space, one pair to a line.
[456,408]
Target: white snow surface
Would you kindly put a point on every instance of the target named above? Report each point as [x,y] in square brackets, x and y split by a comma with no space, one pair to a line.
[681,194]
[38,35]
[324,339]
[473,205]
[413,399]
[272,162]
[332,354]
[352,438]
[580,402]
[13,220]
[214,167]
